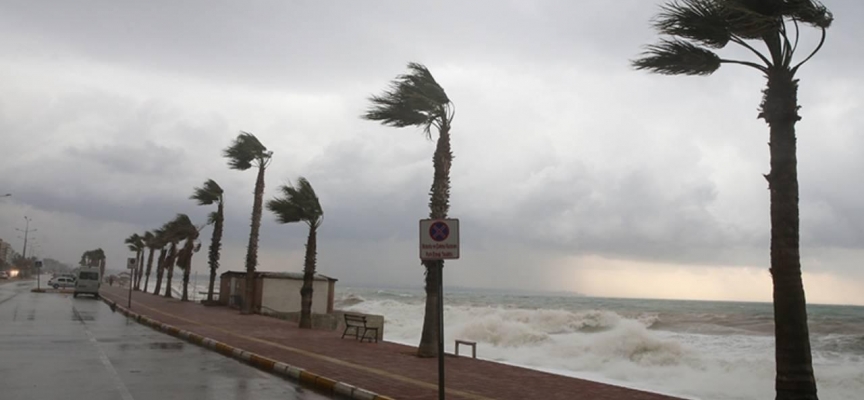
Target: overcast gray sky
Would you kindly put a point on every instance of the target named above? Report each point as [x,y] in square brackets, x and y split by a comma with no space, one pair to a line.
[571,171]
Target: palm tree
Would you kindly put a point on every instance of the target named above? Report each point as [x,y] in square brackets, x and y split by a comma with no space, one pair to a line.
[300,203]
[208,194]
[162,242]
[184,258]
[416,99]
[246,152]
[136,244]
[151,241]
[696,28]
[174,233]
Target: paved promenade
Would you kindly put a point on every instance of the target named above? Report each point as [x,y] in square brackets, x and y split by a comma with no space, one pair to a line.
[385,368]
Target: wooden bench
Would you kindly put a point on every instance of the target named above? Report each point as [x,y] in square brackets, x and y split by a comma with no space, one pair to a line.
[468,343]
[358,323]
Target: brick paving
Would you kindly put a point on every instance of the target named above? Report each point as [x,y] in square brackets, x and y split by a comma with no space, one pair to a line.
[386,368]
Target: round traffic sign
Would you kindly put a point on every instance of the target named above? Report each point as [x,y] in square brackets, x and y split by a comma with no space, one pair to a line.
[439,231]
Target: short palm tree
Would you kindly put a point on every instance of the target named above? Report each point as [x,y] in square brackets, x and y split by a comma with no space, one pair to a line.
[245,152]
[175,231]
[300,203]
[208,194]
[151,241]
[416,99]
[184,256]
[136,244]
[162,242]
[698,27]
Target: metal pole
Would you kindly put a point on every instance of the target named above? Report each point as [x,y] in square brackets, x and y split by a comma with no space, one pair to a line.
[440,329]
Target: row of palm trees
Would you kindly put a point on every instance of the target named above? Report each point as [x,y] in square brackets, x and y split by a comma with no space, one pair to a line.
[297,203]
[696,28]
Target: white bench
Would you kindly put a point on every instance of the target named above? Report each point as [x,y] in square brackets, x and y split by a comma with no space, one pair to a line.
[468,343]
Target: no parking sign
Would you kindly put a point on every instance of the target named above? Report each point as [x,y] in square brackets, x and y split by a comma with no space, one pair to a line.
[439,239]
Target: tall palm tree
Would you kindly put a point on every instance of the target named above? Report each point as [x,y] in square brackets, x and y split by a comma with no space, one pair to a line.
[136,244]
[416,99]
[245,152]
[208,194]
[300,203]
[151,241]
[698,27]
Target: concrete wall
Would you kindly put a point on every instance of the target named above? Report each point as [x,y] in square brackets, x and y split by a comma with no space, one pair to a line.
[283,295]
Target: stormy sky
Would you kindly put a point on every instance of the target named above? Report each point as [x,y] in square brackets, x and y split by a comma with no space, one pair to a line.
[572,171]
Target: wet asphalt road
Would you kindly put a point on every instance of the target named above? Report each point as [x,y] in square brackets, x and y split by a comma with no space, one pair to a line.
[55,347]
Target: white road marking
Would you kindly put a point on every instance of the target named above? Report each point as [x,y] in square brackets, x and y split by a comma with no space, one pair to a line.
[121,387]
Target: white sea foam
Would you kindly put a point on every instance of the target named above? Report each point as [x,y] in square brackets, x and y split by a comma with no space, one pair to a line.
[605,346]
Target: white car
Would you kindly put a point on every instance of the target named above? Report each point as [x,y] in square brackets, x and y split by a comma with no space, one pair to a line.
[4,275]
[62,282]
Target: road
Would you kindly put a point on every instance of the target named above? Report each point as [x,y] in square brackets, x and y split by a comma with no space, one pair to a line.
[55,347]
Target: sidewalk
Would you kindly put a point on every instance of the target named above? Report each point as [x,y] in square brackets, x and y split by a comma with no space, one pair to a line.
[385,368]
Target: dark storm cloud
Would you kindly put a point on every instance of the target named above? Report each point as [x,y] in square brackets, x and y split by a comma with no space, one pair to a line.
[117,109]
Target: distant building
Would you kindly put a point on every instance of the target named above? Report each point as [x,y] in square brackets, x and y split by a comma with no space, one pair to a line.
[277,292]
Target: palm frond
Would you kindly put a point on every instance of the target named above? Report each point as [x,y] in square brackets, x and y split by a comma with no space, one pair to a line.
[299,203]
[702,21]
[210,192]
[244,151]
[413,99]
[810,12]
[677,57]
[212,217]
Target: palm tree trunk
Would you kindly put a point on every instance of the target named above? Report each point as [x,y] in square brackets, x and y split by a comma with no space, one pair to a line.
[794,379]
[160,270]
[308,279]
[149,267]
[215,245]
[439,205]
[186,266]
[252,249]
[139,268]
[169,267]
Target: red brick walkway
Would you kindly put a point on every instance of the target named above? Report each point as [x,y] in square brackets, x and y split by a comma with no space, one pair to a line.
[385,368]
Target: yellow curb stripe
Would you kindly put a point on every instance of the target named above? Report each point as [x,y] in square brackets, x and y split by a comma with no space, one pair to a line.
[308,378]
[375,371]
[261,362]
[325,383]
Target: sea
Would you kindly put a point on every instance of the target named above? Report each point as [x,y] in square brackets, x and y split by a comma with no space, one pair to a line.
[704,350]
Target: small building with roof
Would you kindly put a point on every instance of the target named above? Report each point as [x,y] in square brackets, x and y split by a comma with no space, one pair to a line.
[276,292]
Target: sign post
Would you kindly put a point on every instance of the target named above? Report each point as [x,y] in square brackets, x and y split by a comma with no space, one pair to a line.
[130,265]
[37,265]
[439,241]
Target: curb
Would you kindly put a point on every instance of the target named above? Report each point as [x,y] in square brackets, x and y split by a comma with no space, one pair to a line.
[290,372]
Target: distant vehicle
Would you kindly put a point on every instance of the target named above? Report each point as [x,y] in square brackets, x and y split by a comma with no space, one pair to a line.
[61,282]
[4,275]
[88,282]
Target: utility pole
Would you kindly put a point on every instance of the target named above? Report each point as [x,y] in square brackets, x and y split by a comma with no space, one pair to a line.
[26,231]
